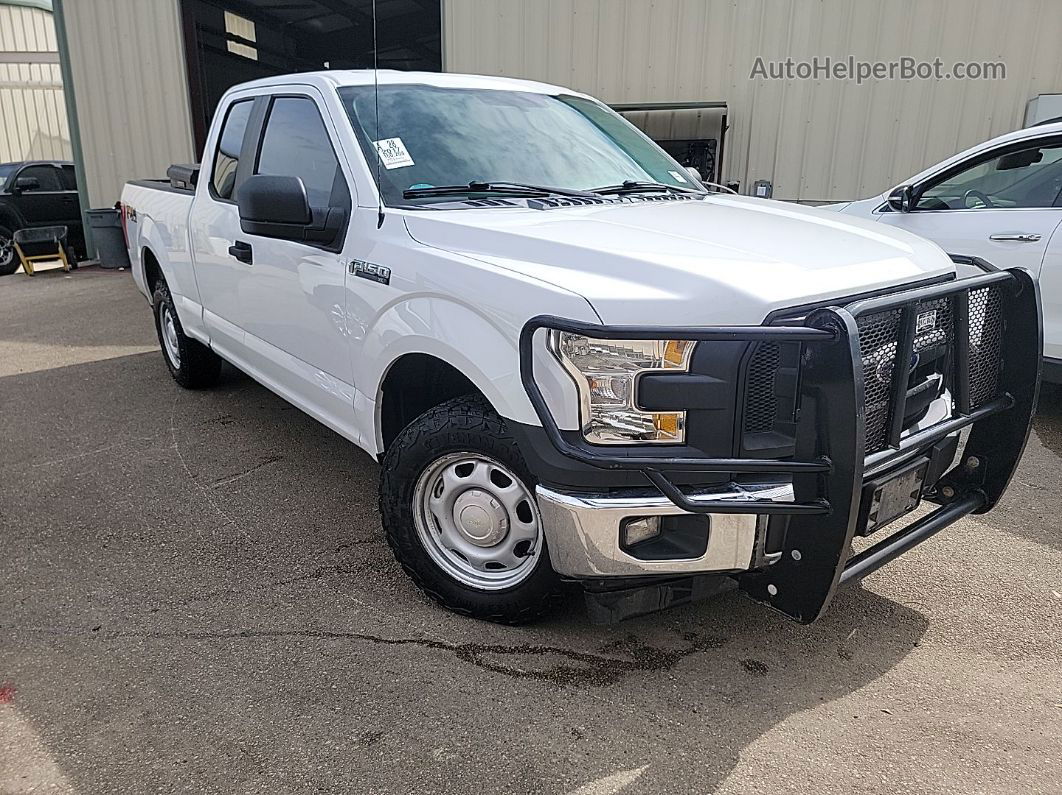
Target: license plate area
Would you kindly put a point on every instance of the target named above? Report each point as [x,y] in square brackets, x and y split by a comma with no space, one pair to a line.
[889,497]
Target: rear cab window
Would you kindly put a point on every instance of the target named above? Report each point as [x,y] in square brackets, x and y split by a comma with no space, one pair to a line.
[230,142]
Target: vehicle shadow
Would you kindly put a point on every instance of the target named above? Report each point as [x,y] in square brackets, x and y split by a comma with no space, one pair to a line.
[215,560]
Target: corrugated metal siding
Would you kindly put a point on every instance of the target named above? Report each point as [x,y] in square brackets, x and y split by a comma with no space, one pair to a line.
[818,140]
[131,91]
[32,114]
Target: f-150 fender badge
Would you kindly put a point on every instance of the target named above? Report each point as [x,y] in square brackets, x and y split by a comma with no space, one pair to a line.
[371,271]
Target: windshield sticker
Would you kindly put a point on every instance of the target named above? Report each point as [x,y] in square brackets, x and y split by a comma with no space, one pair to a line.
[393,153]
[677,176]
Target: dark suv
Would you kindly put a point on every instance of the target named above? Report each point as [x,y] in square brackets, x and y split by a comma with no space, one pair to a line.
[37,193]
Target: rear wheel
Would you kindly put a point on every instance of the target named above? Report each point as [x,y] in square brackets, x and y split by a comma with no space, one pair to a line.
[191,363]
[9,261]
[460,514]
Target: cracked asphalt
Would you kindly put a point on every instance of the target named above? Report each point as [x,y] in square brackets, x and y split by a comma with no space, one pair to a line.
[196,596]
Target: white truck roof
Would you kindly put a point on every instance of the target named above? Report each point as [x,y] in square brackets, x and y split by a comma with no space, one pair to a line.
[335,78]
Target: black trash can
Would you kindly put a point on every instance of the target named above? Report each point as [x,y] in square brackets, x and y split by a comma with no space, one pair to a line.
[106,224]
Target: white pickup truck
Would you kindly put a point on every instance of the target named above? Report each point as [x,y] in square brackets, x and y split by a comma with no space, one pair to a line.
[576,364]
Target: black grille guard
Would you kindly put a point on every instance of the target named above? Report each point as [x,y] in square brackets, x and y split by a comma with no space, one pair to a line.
[831,464]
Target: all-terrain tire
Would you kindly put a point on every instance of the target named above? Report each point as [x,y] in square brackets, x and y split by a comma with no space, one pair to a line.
[462,425]
[191,363]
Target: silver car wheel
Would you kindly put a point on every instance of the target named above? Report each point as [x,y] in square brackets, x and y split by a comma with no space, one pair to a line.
[7,250]
[477,521]
[169,337]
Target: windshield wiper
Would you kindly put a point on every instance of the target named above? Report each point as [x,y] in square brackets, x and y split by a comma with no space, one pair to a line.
[508,188]
[635,186]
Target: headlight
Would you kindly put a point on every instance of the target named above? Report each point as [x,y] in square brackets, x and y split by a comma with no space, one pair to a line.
[606,374]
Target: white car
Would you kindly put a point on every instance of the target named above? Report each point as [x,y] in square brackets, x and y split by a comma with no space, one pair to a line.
[573,361]
[1000,200]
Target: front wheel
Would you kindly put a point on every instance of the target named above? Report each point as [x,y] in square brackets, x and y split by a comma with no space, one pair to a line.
[459,511]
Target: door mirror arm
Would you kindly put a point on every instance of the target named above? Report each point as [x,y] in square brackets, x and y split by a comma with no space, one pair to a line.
[326,224]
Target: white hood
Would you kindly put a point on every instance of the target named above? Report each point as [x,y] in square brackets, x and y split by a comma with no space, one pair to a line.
[723,260]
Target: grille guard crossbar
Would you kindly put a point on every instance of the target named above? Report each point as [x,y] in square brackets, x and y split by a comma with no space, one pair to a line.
[830,463]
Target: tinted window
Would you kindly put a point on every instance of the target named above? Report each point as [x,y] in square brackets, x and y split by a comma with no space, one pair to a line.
[1030,177]
[227,157]
[47,176]
[67,178]
[6,171]
[296,144]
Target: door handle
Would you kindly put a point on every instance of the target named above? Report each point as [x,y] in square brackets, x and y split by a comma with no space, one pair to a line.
[241,251]
[1020,237]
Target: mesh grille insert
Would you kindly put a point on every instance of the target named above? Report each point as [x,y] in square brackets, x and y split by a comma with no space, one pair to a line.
[761,404]
[929,363]
[878,339]
[986,342]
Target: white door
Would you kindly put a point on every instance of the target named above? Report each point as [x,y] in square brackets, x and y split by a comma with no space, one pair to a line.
[1051,297]
[294,306]
[1001,205]
[214,224]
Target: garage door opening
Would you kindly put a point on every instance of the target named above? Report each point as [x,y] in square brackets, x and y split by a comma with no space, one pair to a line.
[235,41]
[691,132]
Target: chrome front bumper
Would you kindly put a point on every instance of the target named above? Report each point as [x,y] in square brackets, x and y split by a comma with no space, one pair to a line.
[583,532]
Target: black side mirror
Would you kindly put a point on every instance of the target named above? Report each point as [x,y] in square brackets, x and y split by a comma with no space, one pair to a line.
[278,207]
[902,199]
[26,183]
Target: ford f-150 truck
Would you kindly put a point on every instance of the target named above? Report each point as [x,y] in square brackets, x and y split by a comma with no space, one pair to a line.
[575,363]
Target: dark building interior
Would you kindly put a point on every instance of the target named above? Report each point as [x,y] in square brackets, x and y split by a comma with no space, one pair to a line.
[234,41]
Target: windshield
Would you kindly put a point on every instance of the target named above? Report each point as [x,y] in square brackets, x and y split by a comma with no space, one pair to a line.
[6,170]
[431,136]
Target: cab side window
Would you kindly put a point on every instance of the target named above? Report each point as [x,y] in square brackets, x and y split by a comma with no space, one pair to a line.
[296,144]
[1030,177]
[46,177]
[230,142]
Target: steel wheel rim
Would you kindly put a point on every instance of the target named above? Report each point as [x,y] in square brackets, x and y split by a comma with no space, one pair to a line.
[169,337]
[7,250]
[477,521]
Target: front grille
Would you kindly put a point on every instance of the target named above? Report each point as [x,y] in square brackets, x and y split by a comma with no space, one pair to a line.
[928,363]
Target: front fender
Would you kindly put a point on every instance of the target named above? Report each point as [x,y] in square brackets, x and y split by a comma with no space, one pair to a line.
[484,349]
